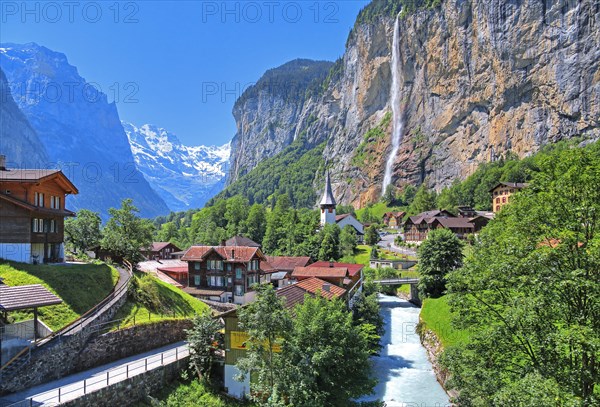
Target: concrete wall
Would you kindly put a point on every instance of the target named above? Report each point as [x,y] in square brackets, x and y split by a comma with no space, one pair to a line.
[132,390]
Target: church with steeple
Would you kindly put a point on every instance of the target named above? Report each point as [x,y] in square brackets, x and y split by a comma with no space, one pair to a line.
[328,215]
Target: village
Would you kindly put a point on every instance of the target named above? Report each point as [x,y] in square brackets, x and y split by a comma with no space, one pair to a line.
[225,277]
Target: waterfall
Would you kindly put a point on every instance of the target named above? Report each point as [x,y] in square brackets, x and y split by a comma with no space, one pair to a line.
[396,114]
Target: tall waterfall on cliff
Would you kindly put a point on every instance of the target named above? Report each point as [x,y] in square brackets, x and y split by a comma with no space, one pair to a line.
[396,114]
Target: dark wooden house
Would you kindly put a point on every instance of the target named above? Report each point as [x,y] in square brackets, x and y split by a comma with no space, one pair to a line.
[32,213]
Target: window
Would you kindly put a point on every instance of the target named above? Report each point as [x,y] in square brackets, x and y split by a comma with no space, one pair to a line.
[229,280]
[215,265]
[34,226]
[238,273]
[53,226]
[251,279]
[229,267]
[497,200]
[253,265]
[239,290]
[196,280]
[38,199]
[55,202]
[215,281]
[503,199]
[497,208]
[197,266]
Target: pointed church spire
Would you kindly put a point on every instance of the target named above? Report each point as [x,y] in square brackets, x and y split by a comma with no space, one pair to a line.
[328,199]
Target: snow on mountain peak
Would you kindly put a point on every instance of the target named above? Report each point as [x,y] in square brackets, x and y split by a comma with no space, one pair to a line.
[186,176]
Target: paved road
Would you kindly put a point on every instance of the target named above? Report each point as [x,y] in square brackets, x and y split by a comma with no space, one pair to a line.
[75,386]
[387,242]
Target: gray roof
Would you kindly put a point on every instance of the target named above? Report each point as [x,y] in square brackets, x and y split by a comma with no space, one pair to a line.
[25,297]
[328,198]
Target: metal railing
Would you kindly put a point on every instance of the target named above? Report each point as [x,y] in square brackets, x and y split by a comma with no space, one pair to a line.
[115,293]
[101,380]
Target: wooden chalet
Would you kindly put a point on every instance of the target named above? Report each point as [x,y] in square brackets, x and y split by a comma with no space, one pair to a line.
[393,220]
[161,251]
[32,213]
[225,273]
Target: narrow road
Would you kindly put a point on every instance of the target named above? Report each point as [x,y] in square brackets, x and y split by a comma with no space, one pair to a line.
[75,386]
[387,242]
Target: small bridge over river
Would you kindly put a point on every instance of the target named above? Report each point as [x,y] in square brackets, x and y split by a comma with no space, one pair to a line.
[414,292]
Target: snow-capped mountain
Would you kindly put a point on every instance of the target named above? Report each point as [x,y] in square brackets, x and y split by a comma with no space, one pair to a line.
[185,177]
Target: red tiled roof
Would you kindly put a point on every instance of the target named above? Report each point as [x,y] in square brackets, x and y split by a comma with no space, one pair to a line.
[25,297]
[294,294]
[267,267]
[228,253]
[173,269]
[315,285]
[287,263]
[324,272]
[353,269]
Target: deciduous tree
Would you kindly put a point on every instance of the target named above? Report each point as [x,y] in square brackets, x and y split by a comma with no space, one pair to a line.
[439,255]
[83,232]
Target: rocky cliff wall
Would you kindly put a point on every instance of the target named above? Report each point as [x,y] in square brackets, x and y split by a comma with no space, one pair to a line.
[477,79]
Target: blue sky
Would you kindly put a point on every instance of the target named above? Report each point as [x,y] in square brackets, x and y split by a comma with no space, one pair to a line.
[181,64]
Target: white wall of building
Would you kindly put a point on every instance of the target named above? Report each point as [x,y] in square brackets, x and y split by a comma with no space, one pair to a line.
[235,388]
[351,220]
[327,217]
[20,252]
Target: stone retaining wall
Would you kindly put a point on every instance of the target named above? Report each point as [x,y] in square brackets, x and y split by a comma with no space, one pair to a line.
[132,390]
[130,341]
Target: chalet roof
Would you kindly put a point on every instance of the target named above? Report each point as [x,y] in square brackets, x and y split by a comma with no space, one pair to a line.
[400,214]
[341,217]
[323,272]
[153,265]
[428,215]
[294,294]
[451,223]
[267,267]
[241,241]
[230,254]
[316,285]
[328,199]
[36,176]
[33,208]
[516,185]
[26,297]
[353,269]
[287,263]
[158,246]
[178,270]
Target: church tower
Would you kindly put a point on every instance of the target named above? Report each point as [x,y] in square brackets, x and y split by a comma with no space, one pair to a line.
[327,204]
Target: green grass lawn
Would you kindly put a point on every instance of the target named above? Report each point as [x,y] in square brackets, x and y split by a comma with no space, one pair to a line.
[436,315]
[160,301]
[80,286]
[410,273]
[378,210]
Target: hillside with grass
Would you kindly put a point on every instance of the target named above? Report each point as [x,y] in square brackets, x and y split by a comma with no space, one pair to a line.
[151,300]
[80,286]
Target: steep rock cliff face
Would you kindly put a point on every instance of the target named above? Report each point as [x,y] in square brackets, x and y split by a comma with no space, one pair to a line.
[477,79]
[18,141]
[269,115]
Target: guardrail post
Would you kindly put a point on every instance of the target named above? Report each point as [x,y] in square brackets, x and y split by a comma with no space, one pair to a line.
[176,353]
[127,371]
[146,364]
[107,377]
[84,386]
[59,394]
[162,358]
